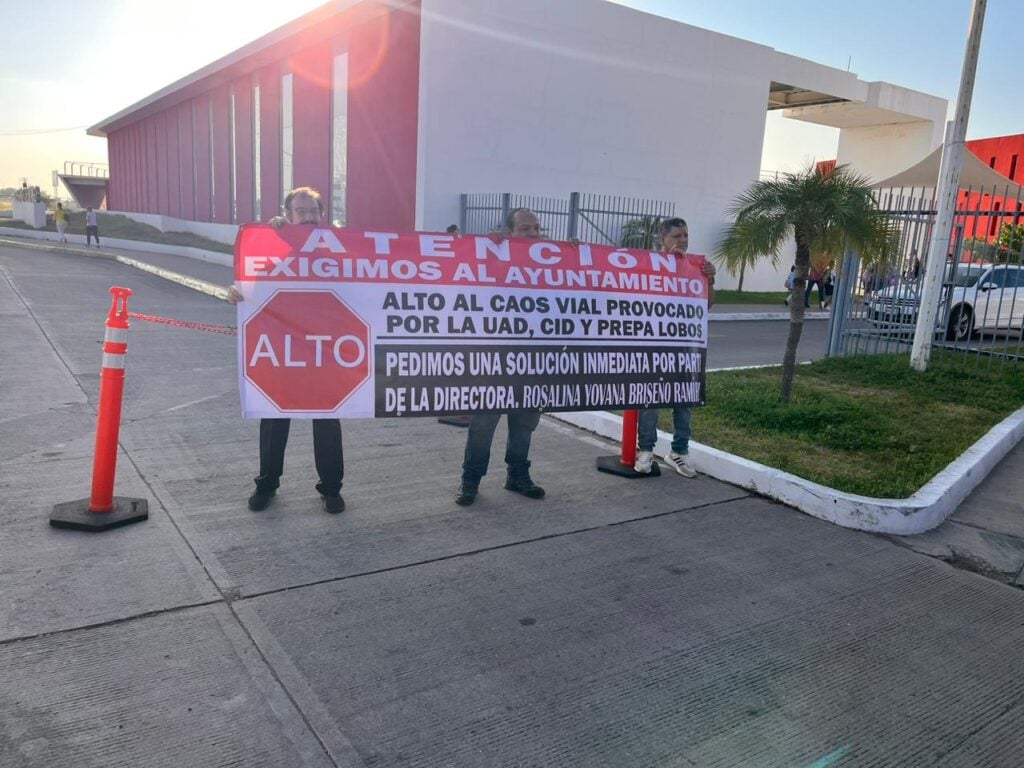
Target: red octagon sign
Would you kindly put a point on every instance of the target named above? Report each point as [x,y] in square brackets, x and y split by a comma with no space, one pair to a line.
[306,350]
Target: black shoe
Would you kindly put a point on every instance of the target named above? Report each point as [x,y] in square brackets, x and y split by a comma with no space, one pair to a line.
[467,493]
[260,499]
[334,505]
[524,486]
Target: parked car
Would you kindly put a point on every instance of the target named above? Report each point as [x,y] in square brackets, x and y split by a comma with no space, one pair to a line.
[979,297]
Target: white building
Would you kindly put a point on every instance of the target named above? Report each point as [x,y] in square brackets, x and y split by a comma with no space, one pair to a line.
[399,107]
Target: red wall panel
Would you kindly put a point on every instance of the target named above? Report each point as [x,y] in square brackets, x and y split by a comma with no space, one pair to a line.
[114,171]
[311,100]
[270,142]
[202,154]
[243,147]
[1005,155]
[221,156]
[162,163]
[173,152]
[160,135]
[185,149]
[384,55]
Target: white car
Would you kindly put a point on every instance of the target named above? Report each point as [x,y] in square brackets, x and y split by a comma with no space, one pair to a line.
[979,297]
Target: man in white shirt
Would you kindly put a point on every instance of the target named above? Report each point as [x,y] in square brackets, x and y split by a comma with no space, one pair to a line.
[91,227]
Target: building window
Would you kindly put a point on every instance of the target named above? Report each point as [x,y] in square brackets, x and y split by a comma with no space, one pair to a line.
[233,153]
[992,162]
[339,141]
[256,174]
[213,169]
[994,226]
[286,135]
[1013,166]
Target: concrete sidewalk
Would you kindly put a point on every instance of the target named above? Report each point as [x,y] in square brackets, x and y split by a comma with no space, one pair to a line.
[615,623]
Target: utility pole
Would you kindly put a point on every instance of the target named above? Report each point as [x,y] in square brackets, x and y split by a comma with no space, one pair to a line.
[946,195]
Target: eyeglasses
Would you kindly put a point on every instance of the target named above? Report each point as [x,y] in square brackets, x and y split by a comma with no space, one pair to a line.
[306,211]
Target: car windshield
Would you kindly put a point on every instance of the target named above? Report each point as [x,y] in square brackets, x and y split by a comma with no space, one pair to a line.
[967,275]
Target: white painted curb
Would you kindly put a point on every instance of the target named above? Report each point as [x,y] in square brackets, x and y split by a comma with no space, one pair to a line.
[211,289]
[925,510]
[214,257]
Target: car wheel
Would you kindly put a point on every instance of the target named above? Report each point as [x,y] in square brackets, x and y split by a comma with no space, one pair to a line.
[961,324]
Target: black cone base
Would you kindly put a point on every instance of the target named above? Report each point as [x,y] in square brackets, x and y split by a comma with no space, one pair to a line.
[76,514]
[613,466]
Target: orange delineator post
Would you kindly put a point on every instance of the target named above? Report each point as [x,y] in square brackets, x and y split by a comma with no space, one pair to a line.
[622,465]
[629,425]
[102,510]
[108,419]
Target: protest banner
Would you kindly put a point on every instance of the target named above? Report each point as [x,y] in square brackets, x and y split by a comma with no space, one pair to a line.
[341,322]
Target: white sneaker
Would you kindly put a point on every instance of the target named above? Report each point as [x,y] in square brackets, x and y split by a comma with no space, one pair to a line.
[681,463]
[644,460]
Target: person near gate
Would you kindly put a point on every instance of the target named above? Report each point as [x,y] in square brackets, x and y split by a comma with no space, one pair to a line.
[520,222]
[302,205]
[675,239]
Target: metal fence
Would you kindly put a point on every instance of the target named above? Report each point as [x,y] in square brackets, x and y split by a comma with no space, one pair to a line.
[603,219]
[981,312]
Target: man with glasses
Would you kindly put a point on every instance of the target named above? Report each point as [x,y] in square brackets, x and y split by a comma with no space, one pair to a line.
[302,205]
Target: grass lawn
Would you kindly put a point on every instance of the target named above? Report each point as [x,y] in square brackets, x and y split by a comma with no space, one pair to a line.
[118,226]
[752,297]
[866,425]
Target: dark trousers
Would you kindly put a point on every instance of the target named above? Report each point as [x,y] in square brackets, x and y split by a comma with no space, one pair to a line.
[327,452]
[91,231]
[821,291]
[517,447]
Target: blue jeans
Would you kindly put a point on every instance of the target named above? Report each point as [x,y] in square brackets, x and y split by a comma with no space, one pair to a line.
[647,428]
[517,448]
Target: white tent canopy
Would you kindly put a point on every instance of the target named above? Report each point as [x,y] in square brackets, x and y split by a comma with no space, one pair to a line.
[974,175]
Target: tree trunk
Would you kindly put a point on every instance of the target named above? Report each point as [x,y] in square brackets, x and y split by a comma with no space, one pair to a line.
[743,268]
[796,315]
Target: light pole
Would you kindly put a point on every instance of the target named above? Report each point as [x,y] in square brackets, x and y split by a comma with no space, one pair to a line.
[946,195]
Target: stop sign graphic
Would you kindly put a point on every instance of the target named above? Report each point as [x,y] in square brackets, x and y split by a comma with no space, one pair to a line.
[306,350]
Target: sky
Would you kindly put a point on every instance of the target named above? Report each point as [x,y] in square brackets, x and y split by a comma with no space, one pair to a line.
[69,64]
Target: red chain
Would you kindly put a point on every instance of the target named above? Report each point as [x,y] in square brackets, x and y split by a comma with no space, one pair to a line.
[228,330]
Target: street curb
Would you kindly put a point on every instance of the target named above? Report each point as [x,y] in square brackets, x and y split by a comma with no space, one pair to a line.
[732,316]
[217,291]
[921,512]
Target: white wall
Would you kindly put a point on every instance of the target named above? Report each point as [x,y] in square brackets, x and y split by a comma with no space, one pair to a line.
[554,97]
[880,151]
[548,98]
[33,214]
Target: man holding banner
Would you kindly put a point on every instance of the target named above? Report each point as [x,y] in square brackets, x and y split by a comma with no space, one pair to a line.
[675,238]
[302,205]
[520,222]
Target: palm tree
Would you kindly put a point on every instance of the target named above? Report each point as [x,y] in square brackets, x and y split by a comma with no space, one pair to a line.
[641,232]
[820,209]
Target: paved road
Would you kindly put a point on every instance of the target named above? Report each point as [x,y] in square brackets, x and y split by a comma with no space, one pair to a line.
[752,342]
[656,623]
